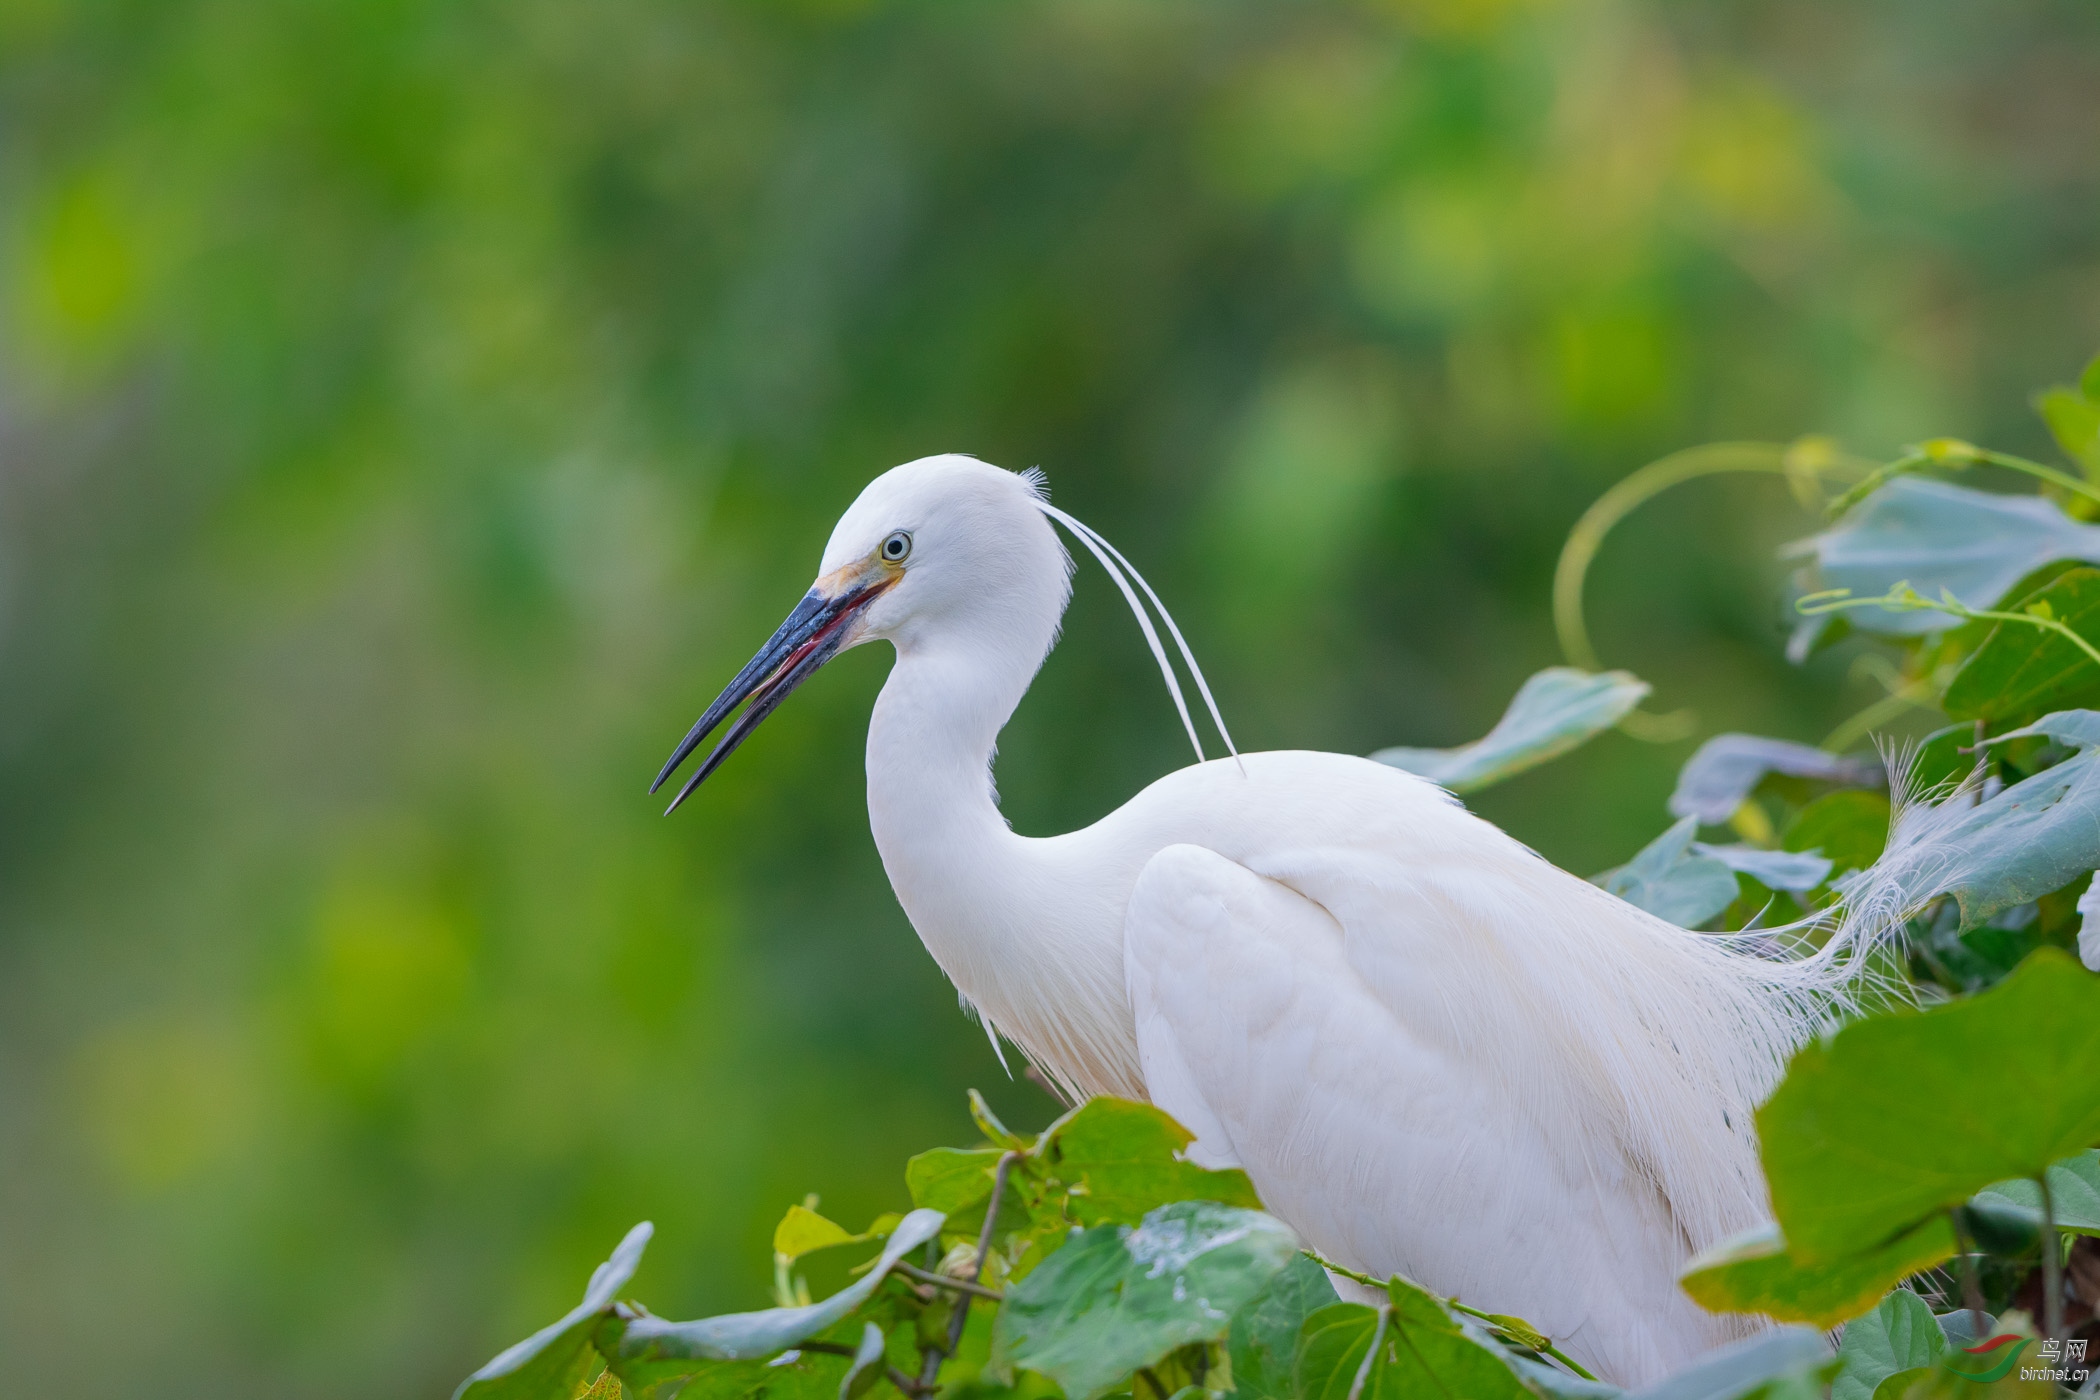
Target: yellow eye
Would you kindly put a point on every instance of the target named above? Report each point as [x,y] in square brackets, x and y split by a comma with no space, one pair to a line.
[897,547]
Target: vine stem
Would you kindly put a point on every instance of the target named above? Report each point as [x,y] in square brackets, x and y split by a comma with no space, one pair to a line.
[943,1281]
[2052,1265]
[1801,463]
[1952,452]
[1901,597]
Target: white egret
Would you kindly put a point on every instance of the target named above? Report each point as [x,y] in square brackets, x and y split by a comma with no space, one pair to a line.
[1432,1051]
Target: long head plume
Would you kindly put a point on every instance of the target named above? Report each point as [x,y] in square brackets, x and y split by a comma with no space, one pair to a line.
[1116,565]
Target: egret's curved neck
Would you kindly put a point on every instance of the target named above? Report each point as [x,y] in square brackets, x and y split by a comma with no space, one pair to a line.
[1020,928]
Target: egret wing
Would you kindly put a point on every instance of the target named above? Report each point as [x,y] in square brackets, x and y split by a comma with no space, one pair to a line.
[1386,1141]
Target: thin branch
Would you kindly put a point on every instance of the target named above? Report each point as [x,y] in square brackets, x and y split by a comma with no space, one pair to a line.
[944,1281]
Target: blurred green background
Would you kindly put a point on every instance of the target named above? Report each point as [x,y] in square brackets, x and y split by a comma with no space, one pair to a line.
[412,412]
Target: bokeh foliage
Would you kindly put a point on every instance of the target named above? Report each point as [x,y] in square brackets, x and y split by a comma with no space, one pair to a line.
[411,412]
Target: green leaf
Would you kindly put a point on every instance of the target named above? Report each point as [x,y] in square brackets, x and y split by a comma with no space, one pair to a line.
[1899,1116]
[1720,777]
[649,1352]
[2074,421]
[948,1179]
[1558,709]
[2021,673]
[1940,764]
[1974,544]
[1672,881]
[1900,1335]
[2089,380]
[2074,1191]
[553,1362]
[1118,1297]
[1263,1340]
[1414,1347]
[1121,1159]
[1848,828]
[802,1231]
[1754,1272]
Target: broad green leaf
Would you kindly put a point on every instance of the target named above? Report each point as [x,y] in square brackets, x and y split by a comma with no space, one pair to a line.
[1755,1273]
[1796,872]
[1740,1369]
[2021,673]
[1720,777]
[1409,1347]
[1901,1115]
[1558,709]
[802,1231]
[1900,1335]
[2074,1194]
[1264,1336]
[1989,1370]
[2074,421]
[553,1362]
[1671,881]
[605,1387]
[1848,829]
[947,1179]
[1121,1159]
[1118,1297]
[649,1352]
[2029,840]
[1974,544]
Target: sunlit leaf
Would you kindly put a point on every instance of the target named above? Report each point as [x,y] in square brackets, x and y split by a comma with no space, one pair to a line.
[1118,1297]
[552,1362]
[1899,1335]
[1719,778]
[802,1231]
[649,1352]
[1558,709]
[1975,544]
[1264,1336]
[1754,1272]
[1121,1159]
[1901,1115]
[1672,881]
[2021,673]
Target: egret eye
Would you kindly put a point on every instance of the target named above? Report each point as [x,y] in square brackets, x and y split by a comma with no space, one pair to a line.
[896,548]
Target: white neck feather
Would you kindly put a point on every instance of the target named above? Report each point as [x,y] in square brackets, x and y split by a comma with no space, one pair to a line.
[1026,936]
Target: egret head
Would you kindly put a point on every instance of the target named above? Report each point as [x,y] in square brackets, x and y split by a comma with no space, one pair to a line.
[942,551]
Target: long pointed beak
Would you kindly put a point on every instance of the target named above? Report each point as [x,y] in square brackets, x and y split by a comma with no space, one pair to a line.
[811,636]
